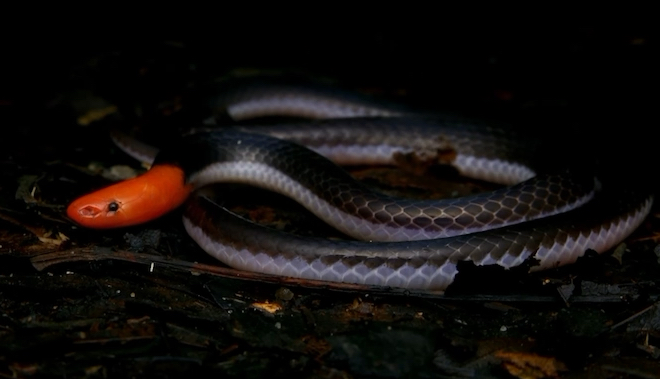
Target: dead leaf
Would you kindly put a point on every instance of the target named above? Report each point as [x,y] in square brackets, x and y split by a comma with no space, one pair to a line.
[529,365]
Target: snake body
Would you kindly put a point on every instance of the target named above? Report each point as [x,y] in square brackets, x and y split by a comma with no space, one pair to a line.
[413,244]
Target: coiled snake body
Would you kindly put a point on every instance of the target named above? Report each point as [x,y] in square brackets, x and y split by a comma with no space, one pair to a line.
[413,244]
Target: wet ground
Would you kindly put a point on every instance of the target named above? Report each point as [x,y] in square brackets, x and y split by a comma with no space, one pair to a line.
[146,301]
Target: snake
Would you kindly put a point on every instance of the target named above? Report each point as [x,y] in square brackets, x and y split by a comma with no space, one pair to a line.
[542,217]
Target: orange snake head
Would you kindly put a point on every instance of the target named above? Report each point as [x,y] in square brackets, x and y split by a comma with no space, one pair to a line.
[133,201]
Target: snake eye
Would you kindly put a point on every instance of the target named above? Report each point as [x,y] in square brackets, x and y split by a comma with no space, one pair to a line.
[113,207]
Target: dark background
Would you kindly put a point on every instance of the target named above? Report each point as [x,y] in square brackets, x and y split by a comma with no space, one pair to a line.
[591,81]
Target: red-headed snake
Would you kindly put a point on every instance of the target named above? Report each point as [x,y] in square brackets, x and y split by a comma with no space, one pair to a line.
[413,244]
